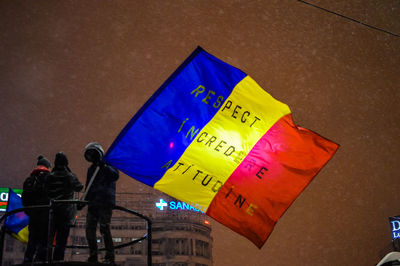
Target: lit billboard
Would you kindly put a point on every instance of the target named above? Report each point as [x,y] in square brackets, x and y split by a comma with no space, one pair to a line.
[177,205]
[4,197]
[395,226]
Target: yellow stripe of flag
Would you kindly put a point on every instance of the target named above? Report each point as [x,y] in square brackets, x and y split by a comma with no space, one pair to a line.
[222,144]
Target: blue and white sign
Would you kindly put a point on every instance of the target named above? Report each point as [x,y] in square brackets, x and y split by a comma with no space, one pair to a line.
[395,225]
[176,205]
[4,197]
[162,204]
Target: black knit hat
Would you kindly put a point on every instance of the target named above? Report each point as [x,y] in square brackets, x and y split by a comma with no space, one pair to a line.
[61,159]
[43,161]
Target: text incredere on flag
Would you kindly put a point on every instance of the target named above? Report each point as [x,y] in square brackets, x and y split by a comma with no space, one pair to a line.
[212,137]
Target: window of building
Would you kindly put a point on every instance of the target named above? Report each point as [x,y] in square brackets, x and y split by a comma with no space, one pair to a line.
[203,249]
[10,245]
[136,249]
[181,246]
[78,240]
[8,262]
[157,246]
[156,229]
[137,227]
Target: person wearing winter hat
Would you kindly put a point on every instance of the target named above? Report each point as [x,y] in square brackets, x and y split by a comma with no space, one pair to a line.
[61,185]
[34,194]
[100,193]
[43,161]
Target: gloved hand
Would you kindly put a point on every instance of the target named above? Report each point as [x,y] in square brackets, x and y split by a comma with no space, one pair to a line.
[99,163]
[80,206]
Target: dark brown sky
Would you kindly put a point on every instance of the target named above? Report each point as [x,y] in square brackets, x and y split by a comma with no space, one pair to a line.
[76,71]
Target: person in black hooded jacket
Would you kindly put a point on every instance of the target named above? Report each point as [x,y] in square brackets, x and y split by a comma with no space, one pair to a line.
[61,185]
[101,197]
[34,194]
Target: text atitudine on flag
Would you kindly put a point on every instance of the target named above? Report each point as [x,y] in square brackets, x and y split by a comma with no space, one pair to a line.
[212,137]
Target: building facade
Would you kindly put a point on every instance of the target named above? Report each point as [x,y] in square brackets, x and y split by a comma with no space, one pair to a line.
[181,234]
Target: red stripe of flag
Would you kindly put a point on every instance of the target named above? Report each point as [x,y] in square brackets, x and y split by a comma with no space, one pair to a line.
[275,172]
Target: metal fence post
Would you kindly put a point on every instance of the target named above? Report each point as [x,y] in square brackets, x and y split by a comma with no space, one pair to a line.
[2,235]
[50,235]
[149,250]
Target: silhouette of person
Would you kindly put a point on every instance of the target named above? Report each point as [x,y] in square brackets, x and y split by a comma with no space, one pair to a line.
[34,194]
[101,198]
[61,185]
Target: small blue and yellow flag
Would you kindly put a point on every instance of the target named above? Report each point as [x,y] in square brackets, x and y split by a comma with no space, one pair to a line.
[17,223]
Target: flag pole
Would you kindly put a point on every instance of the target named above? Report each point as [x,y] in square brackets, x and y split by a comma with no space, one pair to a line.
[90,182]
[87,190]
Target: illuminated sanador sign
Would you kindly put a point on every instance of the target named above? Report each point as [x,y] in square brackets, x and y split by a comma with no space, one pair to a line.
[176,205]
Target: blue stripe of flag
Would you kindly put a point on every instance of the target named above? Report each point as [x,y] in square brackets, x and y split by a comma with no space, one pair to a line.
[151,138]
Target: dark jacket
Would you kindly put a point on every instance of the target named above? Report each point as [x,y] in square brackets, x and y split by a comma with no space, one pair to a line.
[34,191]
[102,190]
[61,185]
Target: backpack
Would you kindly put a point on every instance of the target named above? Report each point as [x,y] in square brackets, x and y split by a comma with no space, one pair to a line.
[34,190]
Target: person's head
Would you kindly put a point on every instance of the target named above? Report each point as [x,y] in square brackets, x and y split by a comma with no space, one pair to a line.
[94,152]
[61,160]
[41,160]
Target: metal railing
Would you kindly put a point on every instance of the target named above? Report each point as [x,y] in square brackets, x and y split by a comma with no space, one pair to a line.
[53,204]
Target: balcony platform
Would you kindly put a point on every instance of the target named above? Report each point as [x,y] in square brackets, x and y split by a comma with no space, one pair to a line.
[65,263]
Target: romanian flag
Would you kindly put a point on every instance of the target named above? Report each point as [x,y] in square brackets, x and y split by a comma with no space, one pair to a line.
[17,223]
[212,137]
